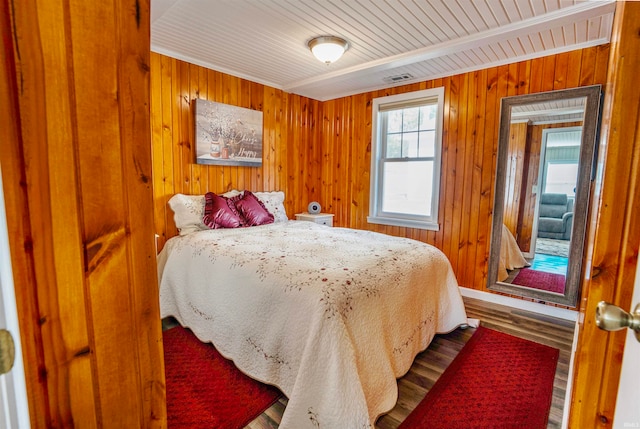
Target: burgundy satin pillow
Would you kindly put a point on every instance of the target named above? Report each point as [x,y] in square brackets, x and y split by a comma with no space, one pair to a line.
[252,210]
[220,212]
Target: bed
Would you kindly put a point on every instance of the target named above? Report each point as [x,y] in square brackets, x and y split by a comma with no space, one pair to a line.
[511,256]
[331,316]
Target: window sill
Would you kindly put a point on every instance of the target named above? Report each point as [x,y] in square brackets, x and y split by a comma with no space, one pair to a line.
[430,226]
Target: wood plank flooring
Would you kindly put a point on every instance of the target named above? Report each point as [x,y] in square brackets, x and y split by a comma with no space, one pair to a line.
[431,363]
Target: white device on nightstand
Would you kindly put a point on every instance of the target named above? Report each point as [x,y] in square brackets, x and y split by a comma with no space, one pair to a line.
[314,207]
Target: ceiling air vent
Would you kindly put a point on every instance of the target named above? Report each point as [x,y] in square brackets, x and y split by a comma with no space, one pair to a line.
[398,78]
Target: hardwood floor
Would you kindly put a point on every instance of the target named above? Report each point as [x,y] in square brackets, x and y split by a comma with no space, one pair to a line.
[431,363]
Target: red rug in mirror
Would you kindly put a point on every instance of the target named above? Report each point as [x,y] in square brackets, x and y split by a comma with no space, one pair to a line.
[496,381]
[540,280]
[205,390]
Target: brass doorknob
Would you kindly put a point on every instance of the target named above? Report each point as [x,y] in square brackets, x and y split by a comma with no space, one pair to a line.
[7,351]
[610,317]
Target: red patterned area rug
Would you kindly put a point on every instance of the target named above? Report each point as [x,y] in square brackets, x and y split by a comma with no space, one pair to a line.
[496,381]
[205,390]
[540,280]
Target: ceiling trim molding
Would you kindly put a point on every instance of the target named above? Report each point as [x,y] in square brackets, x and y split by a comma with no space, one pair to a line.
[586,10]
[338,94]
[205,64]
[330,96]
[159,8]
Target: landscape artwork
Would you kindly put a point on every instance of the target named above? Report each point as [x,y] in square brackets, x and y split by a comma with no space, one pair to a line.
[227,135]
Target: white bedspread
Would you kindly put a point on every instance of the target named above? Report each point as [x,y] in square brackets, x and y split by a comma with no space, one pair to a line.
[510,255]
[331,316]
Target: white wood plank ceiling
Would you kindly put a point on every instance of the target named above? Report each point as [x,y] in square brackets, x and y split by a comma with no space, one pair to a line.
[550,112]
[265,41]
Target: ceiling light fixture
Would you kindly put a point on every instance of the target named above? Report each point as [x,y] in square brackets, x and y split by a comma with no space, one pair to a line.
[328,49]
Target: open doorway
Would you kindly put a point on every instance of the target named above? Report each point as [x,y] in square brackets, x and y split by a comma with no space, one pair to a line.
[560,156]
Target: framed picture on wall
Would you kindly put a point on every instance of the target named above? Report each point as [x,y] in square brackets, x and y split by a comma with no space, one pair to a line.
[227,135]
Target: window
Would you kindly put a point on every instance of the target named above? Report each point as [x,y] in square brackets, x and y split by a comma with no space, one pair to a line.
[561,177]
[561,153]
[405,161]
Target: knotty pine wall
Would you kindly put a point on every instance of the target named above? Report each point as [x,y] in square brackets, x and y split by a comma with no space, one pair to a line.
[291,151]
[515,171]
[322,150]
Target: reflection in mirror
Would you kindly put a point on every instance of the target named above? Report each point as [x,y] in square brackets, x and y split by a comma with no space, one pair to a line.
[546,152]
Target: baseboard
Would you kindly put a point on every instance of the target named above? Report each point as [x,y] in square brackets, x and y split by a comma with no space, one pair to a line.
[569,390]
[547,310]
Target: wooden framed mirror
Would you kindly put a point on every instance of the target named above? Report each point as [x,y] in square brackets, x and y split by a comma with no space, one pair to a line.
[545,165]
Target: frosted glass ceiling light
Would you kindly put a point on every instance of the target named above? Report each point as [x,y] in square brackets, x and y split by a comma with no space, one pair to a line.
[328,49]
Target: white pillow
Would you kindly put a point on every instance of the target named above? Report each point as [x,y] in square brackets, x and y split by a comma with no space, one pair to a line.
[188,211]
[274,203]
[231,193]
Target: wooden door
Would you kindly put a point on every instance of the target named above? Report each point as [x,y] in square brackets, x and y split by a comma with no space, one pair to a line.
[76,167]
[614,236]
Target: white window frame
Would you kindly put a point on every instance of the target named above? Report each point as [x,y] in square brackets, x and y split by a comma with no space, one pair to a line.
[376,214]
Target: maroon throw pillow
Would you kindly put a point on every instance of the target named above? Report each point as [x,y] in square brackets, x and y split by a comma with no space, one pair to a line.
[220,212]
[252,210]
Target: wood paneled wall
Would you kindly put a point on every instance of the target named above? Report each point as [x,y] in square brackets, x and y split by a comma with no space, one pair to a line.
[291,156]
[322,150]
[515,174]
[471,118]
[76,169]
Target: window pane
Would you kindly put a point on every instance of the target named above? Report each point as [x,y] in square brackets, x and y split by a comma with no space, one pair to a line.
[428,117]
[394,119]
[407,187]
[427,144]
[410,119]
[405,159]
[410,145]
[561,178]
[394,146]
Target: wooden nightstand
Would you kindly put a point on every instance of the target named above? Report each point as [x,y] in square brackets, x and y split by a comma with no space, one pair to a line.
[320,218]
